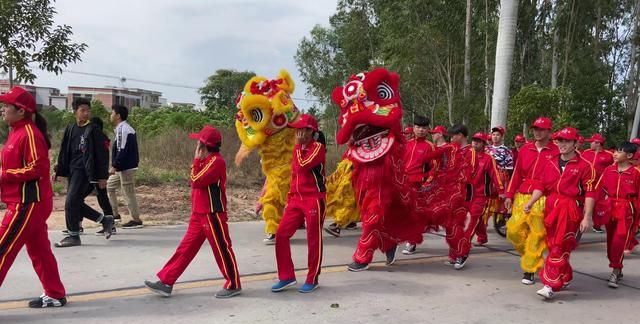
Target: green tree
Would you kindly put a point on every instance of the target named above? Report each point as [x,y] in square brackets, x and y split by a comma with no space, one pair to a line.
[221,90]
[28,35]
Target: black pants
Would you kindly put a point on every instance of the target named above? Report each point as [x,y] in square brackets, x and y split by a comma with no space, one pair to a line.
[103,200]
[75,209]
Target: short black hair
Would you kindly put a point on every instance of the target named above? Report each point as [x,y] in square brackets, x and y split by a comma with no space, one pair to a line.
[98,122]
[77,102]
[213,149]
[627,147]
[121,110]
[459,129]
[421,121]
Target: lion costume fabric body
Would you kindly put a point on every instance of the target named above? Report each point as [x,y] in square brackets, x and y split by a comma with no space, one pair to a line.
[370,124]
[265,108]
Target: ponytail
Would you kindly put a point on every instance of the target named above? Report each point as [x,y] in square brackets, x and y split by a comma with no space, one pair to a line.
[320,138]
[41,123]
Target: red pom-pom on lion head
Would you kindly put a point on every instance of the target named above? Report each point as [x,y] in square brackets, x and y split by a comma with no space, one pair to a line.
[371,113]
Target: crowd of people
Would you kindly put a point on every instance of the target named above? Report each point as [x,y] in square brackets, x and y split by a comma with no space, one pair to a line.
[552,189]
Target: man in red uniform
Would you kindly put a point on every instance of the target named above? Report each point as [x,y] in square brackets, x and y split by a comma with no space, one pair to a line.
[408,133]
[419,171]
[618,191]
[600,159]
[306,202]
[208,219]
[25,187]
[569,183]
[526,230]
[485,180]
[438,135]
[518,142]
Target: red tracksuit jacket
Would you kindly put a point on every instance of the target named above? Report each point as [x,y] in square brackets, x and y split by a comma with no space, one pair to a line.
[619,185]
[528,171]
[577,181]
[209,185]
[25,165]
[418,169]
[486,178]
[307,171]
[599,160]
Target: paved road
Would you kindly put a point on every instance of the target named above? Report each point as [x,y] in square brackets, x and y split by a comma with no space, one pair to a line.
[104,280]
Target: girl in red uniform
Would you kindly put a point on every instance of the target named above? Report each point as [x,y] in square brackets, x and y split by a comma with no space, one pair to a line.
[208,219]
[305,203]
[25,187]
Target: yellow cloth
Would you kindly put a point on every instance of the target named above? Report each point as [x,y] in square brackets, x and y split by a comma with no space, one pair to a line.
[526,232]
[341,197]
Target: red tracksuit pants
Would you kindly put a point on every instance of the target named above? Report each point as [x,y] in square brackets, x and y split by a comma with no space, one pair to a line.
[475,225]
[26,224]
[620,231]
[212,227]
[455,222]
[561,224]
[311,211]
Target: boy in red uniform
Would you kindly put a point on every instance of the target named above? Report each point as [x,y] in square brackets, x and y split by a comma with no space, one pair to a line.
[518,141]
[305,203]
[600,159]
[526,230]
[438,135]
[25,187]
[569,183]
[485,179]
[419,171]
[619,189]
[208,219]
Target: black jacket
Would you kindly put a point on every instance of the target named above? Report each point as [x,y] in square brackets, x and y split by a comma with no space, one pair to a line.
[125,157]
[96,158]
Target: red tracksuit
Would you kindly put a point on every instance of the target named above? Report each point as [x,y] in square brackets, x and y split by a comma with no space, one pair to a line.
[305,203]
[208,221]
[619,192]
[599,160]
[418,170]
[528,170]
[26,189]
[485,180]
[565,190]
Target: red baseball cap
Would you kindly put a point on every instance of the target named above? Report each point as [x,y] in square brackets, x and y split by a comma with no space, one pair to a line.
[542,123]
[208,135]
[596,138]
[499,129]
[636,141]
[480,136]
[580,139]
[20,98]
[568,133]
[519,138]
[305,121]
[408,130]
[439,130]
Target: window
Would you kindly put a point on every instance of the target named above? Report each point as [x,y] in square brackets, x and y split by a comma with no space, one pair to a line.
[137,102]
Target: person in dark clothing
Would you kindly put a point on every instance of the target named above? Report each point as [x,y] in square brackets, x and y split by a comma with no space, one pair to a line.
[84,162]
[101,193]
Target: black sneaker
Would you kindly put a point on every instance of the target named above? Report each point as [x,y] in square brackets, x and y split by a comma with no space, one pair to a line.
[228,293]
[107,226]
[133,224]
[460,262]
[270,239]
[597,229]
[66,232]
[69,241]
[352,226]
[357,267]
[117,219]
[391,255]
[159,288]
[101,232]
[614,278]
[45,301]
[333,230]
[528,278]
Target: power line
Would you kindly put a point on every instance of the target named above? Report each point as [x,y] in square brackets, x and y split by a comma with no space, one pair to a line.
[123,79]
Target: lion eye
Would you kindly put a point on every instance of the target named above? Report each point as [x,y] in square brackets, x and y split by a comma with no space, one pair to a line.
[384,91]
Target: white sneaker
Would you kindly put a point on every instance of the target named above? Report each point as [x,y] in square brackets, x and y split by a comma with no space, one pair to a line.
[528,278]
[546,292]
[270,239]
[409,249]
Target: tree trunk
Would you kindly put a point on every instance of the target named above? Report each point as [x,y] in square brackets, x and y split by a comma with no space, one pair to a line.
[504,61]
[467,53]
[632,75]
[554,58]
[10,77]
[568,42]
[487,85]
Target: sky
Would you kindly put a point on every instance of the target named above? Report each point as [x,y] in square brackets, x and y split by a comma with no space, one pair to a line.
[183,42]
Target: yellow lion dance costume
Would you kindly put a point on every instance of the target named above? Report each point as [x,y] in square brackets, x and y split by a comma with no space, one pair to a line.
[265,108]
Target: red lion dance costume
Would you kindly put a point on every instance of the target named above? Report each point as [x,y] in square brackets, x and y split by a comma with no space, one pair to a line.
[371,116]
